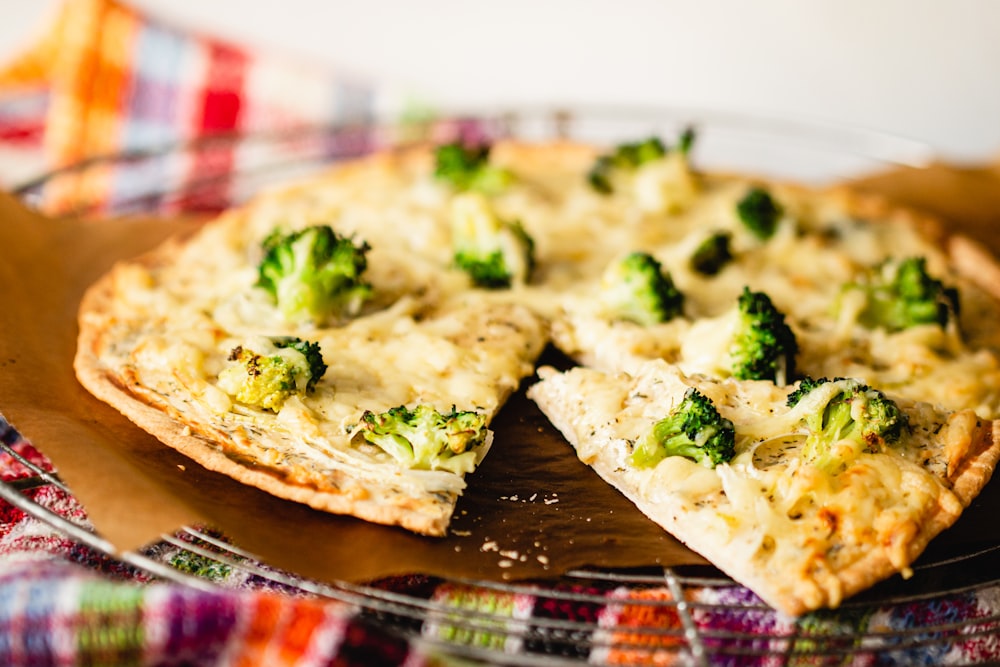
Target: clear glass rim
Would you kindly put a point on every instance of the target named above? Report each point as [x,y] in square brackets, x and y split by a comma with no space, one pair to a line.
[878,145]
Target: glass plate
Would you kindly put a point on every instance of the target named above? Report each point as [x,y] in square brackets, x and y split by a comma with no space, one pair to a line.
[695,615]
[213,173]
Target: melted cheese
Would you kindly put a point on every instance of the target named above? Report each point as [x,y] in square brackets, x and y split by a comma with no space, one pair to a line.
[664,208]
[768,511]
[817,247]
[419,340]
[425,337]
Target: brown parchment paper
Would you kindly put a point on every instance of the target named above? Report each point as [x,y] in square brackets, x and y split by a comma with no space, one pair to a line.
[532,509]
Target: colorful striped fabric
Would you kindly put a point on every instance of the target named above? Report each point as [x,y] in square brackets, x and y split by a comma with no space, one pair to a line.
[108,79]
[53,614]
[64,604]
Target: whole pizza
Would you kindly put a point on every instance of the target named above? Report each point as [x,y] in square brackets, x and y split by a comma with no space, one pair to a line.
[798,383]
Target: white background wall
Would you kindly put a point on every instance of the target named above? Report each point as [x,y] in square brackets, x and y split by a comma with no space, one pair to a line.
[923,69]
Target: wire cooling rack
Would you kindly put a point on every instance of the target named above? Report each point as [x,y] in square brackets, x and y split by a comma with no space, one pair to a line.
[666,616]
[686,616]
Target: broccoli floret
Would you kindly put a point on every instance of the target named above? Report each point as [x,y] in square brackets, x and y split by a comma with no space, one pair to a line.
[468,168]
[712,254]
[764,346]
[629,156]
[314,274]
[636,288]
[806,385]
[310,350]
[424,438]
[899,294]
[686,140]
[759,213]
[693,429]
[845,416]
[265,372]
[495,253]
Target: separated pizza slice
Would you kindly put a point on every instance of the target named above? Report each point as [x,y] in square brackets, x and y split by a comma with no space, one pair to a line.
[355,377]
[805,494]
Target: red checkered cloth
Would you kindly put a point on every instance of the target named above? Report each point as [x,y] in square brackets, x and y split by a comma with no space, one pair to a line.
[106,79]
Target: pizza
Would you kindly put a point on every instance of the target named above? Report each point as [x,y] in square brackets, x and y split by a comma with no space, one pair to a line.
[347,342]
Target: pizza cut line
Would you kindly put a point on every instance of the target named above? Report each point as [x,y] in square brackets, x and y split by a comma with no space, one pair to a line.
[346,342]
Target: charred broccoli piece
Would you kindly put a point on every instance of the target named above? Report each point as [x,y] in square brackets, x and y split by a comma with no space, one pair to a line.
[467,167]
[638,289]
[763,346]
[424,438]
[494,253]
[314,274]
[899,294]
[693,429]
[759,213]
[265,372]
[845,416]
[631,155]
[712,254]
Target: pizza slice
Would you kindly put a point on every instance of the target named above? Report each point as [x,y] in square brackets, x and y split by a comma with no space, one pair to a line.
[351,375]
[806,494]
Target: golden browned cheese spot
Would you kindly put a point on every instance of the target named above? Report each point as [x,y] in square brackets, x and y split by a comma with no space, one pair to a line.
[959,435]
[897,542]
[830,520]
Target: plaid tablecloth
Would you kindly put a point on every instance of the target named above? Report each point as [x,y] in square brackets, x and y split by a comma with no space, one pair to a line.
[107,79]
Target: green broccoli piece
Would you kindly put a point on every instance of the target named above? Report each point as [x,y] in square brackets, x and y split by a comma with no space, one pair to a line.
[630,156]
[314,274]
[636,288]
[267,371]
[712,254]
[763,346]
[899,294]
[424,438]
[759,213]
[310,350]
[806,385]
[494,253]
[845,416]
[467,168]
[693,429]
[686,141]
